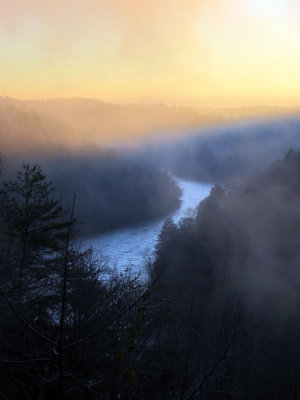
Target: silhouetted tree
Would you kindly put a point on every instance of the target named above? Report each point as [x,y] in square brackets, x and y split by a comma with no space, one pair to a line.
[33,222]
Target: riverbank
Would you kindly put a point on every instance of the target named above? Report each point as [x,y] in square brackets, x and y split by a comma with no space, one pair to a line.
[129,249]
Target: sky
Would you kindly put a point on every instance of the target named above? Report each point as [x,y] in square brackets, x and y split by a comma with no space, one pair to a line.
[193,52]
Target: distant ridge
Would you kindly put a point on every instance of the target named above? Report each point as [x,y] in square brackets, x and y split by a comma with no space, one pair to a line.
[82,122]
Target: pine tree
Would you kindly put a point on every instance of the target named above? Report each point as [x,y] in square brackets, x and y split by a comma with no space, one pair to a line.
[166,233]
[33,221]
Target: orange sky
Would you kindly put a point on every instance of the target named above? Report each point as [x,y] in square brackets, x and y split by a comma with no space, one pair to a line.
[206,52]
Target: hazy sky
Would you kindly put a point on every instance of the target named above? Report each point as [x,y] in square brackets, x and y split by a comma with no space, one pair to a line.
[220,51]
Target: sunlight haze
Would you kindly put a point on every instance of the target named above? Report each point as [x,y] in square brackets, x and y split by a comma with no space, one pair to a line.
[217,52]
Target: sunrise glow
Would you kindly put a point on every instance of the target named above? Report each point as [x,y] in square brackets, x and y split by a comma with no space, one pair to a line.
[178,51]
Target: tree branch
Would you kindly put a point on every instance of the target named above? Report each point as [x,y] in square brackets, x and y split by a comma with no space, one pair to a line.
[25,323]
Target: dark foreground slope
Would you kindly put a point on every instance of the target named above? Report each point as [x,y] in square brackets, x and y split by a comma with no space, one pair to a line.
[232,278]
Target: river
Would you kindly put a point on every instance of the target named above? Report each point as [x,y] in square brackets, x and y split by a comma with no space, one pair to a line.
[127,250]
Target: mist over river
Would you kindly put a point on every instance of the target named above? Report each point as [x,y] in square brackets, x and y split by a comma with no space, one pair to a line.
[128,249]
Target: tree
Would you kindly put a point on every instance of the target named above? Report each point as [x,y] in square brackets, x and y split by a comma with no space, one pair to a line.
[33,221]
[69,331]
[166,234]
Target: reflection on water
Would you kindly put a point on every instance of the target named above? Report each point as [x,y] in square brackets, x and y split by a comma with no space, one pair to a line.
[129,249]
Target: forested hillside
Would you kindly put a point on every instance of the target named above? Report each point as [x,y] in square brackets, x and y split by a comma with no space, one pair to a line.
[127,122]
[112,191]
[79,122]
[217,319]
[24,130]
[222,154]
[231,277]
[67,325]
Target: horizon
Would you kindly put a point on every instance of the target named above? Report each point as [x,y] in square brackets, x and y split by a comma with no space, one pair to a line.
[210,104]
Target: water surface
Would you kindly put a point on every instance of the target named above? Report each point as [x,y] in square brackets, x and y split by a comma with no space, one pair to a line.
[128,249]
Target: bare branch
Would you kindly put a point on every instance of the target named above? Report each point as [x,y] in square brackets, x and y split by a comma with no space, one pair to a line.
[26,361]
[25,323]
[112,320]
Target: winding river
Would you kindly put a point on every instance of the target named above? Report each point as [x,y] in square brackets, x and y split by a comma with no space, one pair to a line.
[127,250]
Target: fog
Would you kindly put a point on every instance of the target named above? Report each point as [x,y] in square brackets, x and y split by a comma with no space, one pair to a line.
[217,311]
[247,233]
[233,274]
[111,191]
[76,123]
[222,154]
